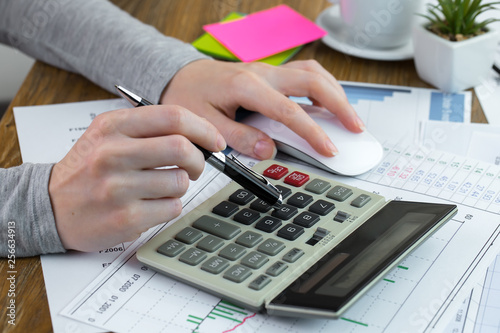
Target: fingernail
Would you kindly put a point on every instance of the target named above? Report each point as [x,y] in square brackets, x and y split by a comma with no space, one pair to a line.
[264,150]
[331,147]
[361,125]
[221,143]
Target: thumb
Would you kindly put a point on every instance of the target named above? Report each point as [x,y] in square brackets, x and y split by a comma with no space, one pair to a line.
[246,139]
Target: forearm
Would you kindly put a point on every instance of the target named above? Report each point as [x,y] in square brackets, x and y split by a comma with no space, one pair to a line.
[25,208]
[96,39]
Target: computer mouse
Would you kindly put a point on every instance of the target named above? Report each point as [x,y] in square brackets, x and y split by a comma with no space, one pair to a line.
[358,152]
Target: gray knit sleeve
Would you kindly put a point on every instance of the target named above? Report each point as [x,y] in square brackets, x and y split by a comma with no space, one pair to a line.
[96,39]
[26,219]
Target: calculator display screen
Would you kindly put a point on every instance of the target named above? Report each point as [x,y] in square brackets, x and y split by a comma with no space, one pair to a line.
[340,283]
[348,268]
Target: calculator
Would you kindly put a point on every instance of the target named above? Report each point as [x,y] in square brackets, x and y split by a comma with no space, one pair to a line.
[314,256]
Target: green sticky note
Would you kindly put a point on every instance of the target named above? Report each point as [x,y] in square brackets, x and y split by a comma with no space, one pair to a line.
[210,46]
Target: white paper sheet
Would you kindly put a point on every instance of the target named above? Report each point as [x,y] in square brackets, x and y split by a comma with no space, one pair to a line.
[46,134]
[478,141]
[488,92]
[410,299]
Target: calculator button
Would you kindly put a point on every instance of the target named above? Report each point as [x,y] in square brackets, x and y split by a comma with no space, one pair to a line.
[246,216]
[210,243]
[216,227]
[171,248]
[268,224]
[339,193]
[260,206]
[300,200]
[285,191]
[254,260]
[319,234]
[285,212]
[306,219]
[361,200]
[241,197]
[290,232]
[271,247]
[188,235]
[275,171]
[237,273]
[277,268]
[225,209]
[318,186]
[341,216]
[260,282]
[215,265]
[249,239]
[193,256]
[293,255]
[232,252]
[322,207]
[296,178]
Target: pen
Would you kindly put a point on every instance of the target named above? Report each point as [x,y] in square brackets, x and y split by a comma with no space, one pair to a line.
[230,166]
[496,69]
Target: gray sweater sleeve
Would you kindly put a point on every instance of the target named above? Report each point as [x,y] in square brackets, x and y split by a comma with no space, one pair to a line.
[101,42]
[96,39]
[25,209]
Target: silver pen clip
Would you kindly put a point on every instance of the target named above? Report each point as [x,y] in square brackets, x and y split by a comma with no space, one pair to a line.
[260,177]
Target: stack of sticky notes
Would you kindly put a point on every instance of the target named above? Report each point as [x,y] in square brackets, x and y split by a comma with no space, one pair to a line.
[272,36]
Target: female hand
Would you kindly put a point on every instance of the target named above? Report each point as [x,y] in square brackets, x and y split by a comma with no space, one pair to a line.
[215,89]
[107,189]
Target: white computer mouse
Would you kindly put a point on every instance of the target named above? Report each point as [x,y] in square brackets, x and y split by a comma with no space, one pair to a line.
[358,152]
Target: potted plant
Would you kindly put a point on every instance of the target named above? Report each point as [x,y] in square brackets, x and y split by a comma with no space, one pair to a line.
[453,50]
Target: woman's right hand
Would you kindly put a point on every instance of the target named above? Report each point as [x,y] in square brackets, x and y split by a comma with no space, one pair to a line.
[108,190]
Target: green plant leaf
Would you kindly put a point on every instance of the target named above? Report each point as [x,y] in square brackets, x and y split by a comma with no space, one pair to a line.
[459,16]
[482,25]
[436,15]
[459,19]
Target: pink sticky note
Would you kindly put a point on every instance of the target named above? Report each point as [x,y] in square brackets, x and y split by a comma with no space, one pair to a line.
[265,33]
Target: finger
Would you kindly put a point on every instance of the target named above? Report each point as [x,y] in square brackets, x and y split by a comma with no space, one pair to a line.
[158,211]
[160,120]
[156,184]
[245,139]
[150,153]
[275,105]
[142,215]
[308,78]
[314,66]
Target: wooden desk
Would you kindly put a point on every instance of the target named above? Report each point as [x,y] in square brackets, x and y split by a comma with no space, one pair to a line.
[182,19]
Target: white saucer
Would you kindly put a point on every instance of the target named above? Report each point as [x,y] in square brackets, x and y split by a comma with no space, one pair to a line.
[330,20]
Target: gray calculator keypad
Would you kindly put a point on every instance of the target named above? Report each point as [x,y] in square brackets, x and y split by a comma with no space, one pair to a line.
[242,240]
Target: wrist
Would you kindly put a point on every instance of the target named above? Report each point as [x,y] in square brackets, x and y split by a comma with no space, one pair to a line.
[186,73]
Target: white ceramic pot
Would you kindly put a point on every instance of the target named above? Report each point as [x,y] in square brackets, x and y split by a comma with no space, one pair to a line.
[453,66]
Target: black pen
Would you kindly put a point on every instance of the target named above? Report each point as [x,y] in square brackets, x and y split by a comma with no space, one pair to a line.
[230,166]
[496,68]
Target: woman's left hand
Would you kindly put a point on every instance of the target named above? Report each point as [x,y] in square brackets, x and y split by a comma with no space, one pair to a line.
[215,89]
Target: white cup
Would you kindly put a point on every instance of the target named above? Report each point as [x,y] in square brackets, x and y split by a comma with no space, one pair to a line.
[378,24]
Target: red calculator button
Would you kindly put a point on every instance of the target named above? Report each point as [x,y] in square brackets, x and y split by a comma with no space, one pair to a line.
[275,171]
[297,178]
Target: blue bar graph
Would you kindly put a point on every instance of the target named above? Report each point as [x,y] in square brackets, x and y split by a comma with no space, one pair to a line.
[442,106]
[357,93]
[447,107]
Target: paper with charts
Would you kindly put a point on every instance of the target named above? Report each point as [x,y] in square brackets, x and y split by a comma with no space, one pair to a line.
[128,297]
[154,301]
[479,311]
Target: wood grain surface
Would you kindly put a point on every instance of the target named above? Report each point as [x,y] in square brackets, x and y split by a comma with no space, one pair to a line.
[182,19]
